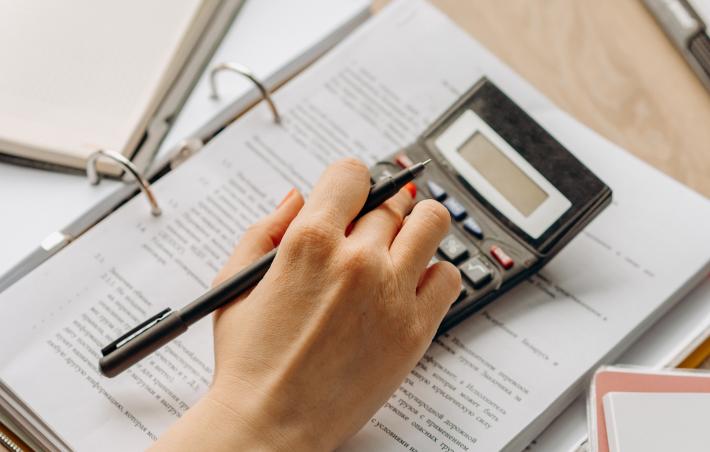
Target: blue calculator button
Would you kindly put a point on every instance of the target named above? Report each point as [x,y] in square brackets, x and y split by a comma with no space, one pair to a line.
[473,228]
[456,209]
[436,191]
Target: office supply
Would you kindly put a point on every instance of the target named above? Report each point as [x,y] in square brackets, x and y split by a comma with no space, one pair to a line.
[515,194]
[287,43]
[666,344]
[685,22]
[95,76]
[516,365]
[619,380]
[657,422]
[699,357]
[162,328]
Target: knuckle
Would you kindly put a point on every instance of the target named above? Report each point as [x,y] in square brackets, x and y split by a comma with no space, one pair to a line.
[257,230]
[312,236]
[451,276]
[352,165]
[390,212]
[435,214]
[359,259]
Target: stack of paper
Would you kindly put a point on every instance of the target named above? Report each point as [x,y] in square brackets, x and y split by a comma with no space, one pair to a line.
[494,382]
[636,410]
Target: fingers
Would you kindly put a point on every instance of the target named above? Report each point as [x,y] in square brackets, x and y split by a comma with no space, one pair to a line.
[418,239]
[380,226]
[439,288]
[262,236]
[339,194]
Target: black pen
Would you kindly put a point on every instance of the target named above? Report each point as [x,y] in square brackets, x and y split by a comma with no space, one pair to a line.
[160,329]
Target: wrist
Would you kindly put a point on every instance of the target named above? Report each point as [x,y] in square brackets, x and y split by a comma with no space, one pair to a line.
[256,424]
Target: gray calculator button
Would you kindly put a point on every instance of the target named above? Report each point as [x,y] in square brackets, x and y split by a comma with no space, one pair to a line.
[476,271]
[453,249]
[462,294]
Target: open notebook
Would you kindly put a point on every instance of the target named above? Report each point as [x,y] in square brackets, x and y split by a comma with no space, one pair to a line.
[491,383]
[93,75]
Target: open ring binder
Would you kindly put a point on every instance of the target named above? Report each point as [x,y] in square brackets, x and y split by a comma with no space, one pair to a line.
[93,175]
[178,154]
[246,72]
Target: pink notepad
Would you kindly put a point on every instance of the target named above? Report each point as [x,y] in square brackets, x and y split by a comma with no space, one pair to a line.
[619,379]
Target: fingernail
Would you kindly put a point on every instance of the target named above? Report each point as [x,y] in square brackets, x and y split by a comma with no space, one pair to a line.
[412,189]
[288,195]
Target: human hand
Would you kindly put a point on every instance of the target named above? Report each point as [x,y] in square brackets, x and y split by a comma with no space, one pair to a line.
[341,317]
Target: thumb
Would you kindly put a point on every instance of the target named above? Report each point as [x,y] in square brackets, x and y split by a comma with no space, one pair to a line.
[262,236]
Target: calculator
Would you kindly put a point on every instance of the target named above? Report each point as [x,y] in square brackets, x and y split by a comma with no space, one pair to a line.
[515,194]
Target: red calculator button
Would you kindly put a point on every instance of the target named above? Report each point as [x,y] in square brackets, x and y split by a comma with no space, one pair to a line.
[404,161]
[501,256]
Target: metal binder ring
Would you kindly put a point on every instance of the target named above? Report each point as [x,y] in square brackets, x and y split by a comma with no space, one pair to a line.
[246,72]
[129,167]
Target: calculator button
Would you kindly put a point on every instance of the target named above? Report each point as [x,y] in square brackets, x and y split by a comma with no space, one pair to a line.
[476,271]
[453,249]
[462,294]
[455,208]
[502,257]
[436,191]
[470,225]
[403,160]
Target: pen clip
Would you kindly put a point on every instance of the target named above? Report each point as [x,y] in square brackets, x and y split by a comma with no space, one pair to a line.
[118,343]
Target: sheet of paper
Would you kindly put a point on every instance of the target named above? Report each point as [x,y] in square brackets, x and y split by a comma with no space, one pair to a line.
[657,422]
[87,77]
[274,39]
[491,383]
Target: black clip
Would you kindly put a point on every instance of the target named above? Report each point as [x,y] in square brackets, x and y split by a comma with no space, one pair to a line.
[135,331]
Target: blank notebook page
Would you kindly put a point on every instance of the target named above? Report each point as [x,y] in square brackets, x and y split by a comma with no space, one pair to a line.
[85,74]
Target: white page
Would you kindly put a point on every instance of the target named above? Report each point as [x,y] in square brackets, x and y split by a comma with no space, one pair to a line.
[274,39]
[87,75]
[657,422]
[521,358]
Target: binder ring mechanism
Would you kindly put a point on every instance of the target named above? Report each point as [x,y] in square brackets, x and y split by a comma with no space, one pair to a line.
[129,167]
[246,72]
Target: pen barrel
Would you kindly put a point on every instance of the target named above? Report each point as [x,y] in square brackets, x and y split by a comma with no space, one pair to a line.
[388,187]
[151,340]
[229,290]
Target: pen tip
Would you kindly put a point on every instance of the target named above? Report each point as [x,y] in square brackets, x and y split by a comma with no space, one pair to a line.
[426,162]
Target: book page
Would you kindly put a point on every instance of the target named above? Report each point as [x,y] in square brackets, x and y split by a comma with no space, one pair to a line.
[491,383]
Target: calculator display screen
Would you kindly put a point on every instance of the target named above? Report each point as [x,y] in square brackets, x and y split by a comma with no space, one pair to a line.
[504,175]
